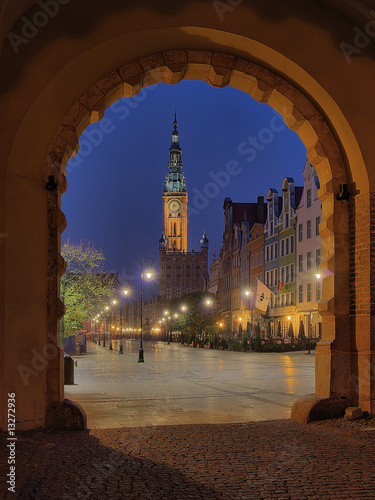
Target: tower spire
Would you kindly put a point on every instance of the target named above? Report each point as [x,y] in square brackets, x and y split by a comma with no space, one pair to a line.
[175,180]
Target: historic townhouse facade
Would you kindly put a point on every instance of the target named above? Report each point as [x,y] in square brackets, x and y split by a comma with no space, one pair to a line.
[284,252]
[238,218]
[309,255]
[256,271]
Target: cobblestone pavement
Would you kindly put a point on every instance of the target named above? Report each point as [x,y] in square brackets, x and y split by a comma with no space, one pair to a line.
[276,459]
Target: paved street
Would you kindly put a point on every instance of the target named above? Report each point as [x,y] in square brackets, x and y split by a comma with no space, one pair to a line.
[276,459]
[190,458]
[185,385]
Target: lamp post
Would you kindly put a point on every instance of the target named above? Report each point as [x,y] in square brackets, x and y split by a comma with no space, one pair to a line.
[167,317]
[125,292]
[184,309]
[114,302]
[106,318]
[148,276]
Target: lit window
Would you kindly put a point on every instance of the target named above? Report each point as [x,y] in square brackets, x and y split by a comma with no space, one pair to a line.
[300,264]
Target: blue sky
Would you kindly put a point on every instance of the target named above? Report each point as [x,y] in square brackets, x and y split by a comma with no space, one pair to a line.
[232,146]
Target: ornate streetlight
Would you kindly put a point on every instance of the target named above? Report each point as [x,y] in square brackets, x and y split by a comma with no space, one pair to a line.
[148,275]
[125,292]
[184,309]
[114,302]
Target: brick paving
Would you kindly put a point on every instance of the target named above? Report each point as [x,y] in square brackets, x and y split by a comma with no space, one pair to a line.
[275,459]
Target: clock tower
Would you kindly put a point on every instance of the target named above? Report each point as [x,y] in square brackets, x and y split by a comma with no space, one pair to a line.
[175,199]
[180,271]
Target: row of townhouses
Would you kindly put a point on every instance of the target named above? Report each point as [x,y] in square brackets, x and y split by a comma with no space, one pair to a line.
[275,241]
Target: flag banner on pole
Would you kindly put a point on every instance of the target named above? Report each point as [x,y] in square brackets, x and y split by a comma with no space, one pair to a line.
[263,297]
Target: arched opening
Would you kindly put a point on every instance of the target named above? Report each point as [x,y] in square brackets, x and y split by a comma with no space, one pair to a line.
[251,53]
[323,152]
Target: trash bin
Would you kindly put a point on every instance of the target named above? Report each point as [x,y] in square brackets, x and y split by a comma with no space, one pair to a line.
[68,370]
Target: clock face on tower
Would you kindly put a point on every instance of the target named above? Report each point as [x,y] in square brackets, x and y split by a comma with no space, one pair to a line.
[174,205]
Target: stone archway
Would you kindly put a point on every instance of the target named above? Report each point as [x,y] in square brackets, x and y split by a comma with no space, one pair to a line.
[49,97]
[299,114]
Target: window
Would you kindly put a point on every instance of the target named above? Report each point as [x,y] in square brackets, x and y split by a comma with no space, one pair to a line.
[271,302]
[275,280]
[292,299]
[282,274]
[187,267]
[267,278]
[260,258]
[276,250]
[282,299]
[317,257]
[308,198]
[317,222]
[308,229]
[292,244]
[287,274]
[286,220]
[271,230]
[287,246]
[300,232]
[300,293]
[271,279]
[197,267]
[268,254]
[252,260]
[318,290]
[300,265]
[260,276]
[308,261]
[291,272]
[271,256]
[169,267]
[282,248]
[188,275]
[256,260]
[308,292]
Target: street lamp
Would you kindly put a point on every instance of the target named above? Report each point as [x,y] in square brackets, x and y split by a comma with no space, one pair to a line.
[148,275]
[107,317]
[114,302]
[184,309]
[125,292]
[249,293]
[167,326]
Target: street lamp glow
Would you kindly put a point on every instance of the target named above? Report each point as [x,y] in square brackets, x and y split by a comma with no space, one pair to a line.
[239,319]
[125,292]
[289,318]
[114,302]
[208,302]
[247,293]
[107,308]
[148,275]
[317,276]
[183,308]
[176,315]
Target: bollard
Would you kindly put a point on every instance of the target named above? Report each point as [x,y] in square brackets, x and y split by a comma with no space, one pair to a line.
[68,370]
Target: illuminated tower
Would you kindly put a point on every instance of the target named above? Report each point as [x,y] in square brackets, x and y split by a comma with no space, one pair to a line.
[175,199]
[180,271]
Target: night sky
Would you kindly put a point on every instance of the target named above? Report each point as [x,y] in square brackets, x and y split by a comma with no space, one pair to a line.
[232,146]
